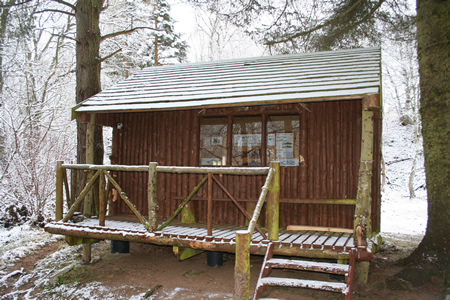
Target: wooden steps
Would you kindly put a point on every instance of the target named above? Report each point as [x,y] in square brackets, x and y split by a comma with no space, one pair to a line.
[271,263]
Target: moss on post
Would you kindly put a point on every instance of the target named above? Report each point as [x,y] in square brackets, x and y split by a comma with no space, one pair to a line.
[89,200]
[152,199]
[273,203]
[184,253]
[90,150]
[242,266]
[187,215]
[102,199]
[362,224]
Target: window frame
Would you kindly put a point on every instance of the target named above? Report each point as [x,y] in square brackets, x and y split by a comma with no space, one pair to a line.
[230,116]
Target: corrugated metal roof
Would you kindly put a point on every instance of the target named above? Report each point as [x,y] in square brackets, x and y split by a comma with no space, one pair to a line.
[248,81]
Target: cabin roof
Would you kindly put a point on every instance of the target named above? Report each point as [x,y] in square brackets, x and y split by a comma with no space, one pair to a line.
[319,76]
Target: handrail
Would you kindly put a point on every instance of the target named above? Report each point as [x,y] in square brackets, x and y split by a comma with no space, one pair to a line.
[259,205]
[174,169]
[102,169]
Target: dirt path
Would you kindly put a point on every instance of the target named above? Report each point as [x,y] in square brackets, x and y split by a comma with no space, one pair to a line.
[153,271]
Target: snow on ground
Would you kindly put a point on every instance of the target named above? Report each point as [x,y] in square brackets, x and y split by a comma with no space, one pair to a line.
[399,212]
[21,241]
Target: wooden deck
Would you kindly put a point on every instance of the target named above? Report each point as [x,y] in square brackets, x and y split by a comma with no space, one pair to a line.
[313,244]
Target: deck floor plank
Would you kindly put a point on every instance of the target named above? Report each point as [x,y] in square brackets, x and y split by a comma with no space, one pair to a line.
[340,243]
[332,240]
[319,243]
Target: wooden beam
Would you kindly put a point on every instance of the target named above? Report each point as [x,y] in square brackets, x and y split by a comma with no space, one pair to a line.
[59,191]
[90,149]
[241,209]
[102,199]
[83,194]
[242,266]
[127,201]
[284,200]
[152,197]
[174,169]
[182,205]
[260,203]
[273,203]
[210,207]
[372,101]
[319,228]
[362,224]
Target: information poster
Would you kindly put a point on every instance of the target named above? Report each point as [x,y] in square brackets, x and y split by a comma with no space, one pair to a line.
[284,144]
[246,140]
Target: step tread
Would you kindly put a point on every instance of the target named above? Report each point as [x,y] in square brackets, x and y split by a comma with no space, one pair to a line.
[303,283]
[308,265]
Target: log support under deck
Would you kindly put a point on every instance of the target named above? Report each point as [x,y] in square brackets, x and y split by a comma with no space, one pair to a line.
[242,266]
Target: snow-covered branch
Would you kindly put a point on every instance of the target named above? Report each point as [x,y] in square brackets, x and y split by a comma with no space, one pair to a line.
[124,32]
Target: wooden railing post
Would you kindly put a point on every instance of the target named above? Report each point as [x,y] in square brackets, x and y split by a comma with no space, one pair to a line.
[90,147]
[273,203]
[362,224]
[59,191]
[210,205]
[363,209]
[102,199]
[152,197]
[89,200]
[73,185]
[242,266]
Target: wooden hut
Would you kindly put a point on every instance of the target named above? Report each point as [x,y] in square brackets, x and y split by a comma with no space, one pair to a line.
[316,114]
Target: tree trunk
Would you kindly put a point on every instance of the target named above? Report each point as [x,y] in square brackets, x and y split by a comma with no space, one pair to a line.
[88,69]
[433,49]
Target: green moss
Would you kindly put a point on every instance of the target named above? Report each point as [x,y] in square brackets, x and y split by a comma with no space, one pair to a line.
[76,276]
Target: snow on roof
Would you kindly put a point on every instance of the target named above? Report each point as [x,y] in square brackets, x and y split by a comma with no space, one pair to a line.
[248,81]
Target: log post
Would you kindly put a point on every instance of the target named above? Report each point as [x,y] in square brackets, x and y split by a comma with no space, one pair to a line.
[73,185]
[102,199]
[90,147]
[152,197]
[86,256]
[210,204]
[59,191]
[242,266]
[362,225]
[89,200]
[273,203]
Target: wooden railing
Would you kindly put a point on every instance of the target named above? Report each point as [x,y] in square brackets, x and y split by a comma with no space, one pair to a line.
[101,173]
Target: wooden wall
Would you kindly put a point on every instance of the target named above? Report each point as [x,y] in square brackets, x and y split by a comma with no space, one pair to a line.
[330,142]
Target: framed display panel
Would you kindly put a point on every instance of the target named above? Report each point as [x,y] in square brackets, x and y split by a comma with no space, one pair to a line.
[254,140]
[213,141]
[246,149]
[283,140]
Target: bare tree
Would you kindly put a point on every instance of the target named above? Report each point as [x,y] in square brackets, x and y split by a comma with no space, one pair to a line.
[33,115]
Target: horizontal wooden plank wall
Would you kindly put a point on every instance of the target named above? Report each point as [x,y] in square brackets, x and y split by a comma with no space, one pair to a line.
[330,141]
